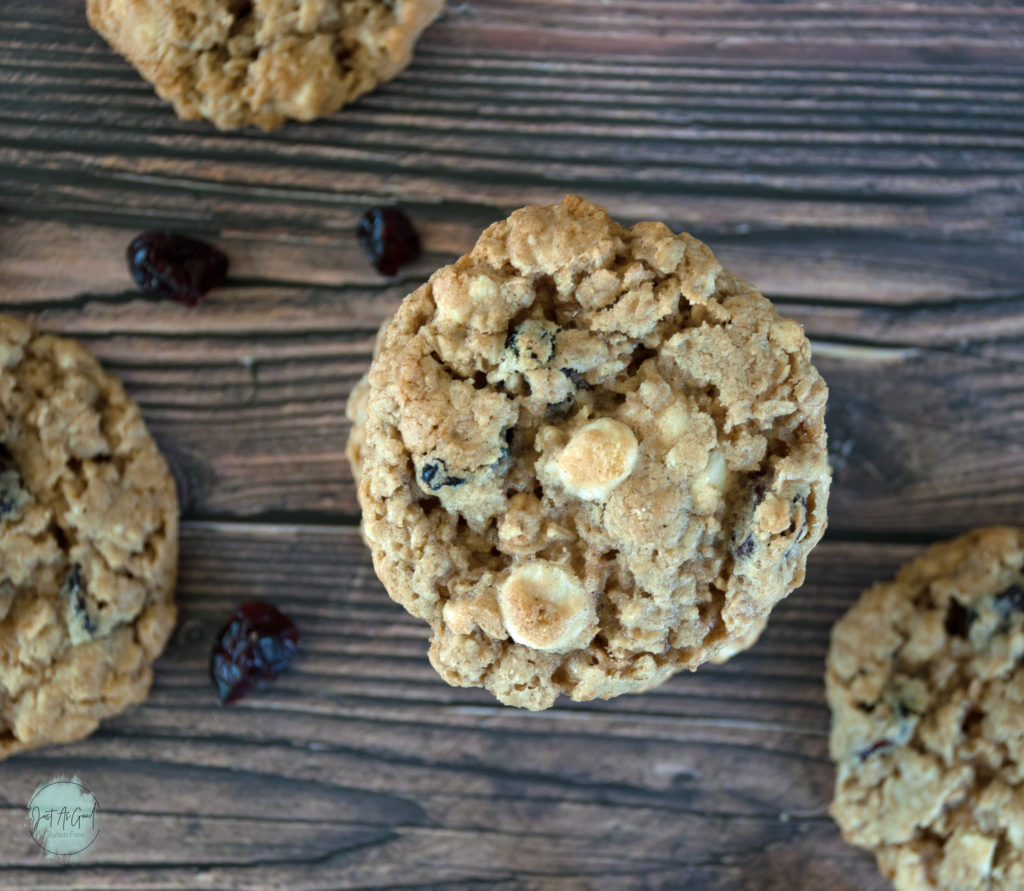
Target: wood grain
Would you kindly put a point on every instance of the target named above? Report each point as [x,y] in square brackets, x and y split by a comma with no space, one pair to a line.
[863,163]
[360,758]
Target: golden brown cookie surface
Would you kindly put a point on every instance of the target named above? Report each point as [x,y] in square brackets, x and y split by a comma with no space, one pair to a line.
[591,457]
[88,543]
[239,62]
[926,686]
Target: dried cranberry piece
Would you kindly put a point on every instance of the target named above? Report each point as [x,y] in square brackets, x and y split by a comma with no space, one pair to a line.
[745,548]
[169,265]
[878,746]
[388,238]
[74,590]
[1010,600]
[11,493]
[257,643]
[760,483]
[435,475]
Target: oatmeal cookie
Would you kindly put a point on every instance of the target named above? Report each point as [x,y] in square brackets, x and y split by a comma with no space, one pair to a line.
[926,687]
[88,543]
[591,457]
[239,62]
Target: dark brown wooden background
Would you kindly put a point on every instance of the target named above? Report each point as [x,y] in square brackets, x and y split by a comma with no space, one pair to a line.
[862,162]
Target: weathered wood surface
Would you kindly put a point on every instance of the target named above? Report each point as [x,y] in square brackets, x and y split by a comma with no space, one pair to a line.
[863,163]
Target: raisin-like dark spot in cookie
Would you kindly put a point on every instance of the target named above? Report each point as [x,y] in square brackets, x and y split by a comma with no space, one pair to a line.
[958,619]
[388,238]
[11,493]
[879,745]
[745,548]
[532,342]
[74,590]
[169,265]
[577,378]
[1010,600]
[435,475]
[257,643]
[8,495]
[801,501]
[902,710]
[506,450]
[760,483]
[1008,603]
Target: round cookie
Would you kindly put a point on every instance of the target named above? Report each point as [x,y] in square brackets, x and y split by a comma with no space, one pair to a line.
[591,457]
[88,543]
[239,62]
[926,685]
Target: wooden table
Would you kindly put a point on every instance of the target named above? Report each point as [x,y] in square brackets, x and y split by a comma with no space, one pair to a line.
[863,163]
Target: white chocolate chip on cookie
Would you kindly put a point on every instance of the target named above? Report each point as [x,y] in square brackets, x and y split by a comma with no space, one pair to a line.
[545,607]
[597,458]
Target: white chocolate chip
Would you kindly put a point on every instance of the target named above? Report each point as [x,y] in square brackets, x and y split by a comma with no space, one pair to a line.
[710,483]
[966,860]
[483,289]
[597,458]
[545,607]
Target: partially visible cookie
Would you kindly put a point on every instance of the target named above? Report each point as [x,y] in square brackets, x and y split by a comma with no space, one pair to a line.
[88,543]
[589,457]
[239,62]
[925,680]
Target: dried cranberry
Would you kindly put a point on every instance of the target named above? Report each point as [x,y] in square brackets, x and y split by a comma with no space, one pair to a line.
[878,746]
[1010,600]
[169,265]
[745,548]
[257,643]
[389,239]
[760,483]
[74,590]
[435,475]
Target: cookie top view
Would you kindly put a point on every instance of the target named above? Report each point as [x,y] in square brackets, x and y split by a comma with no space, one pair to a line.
[240,62]
[926,684]
[88,543]
[590,457]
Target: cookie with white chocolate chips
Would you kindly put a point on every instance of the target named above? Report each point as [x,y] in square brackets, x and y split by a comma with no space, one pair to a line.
[88,543]
[925,680]
[589,457]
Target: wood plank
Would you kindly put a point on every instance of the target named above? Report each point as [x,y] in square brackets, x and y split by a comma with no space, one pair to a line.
[359,767]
